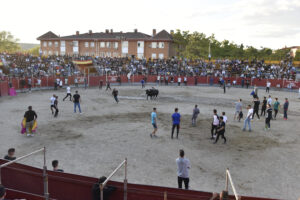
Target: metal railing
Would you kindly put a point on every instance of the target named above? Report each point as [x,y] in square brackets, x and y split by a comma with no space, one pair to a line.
[102,185]
[45,175]
[229,179]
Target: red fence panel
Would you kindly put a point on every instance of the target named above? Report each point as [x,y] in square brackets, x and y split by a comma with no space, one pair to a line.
[3,88]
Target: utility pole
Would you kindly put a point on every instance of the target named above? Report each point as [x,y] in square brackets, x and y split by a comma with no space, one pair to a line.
[209,53]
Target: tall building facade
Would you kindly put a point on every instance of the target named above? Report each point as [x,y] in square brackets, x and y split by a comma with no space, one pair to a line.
[110,44]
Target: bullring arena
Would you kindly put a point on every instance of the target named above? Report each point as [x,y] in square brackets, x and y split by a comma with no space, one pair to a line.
[264,163]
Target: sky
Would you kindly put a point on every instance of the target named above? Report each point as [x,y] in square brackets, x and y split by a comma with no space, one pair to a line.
[259,23]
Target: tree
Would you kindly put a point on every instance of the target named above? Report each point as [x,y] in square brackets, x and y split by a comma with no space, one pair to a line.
[35,51]
[297,56]
[8,43]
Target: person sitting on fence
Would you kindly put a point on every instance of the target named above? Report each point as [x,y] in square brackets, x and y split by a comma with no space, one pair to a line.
[107,190]
[55,166]
[10,154]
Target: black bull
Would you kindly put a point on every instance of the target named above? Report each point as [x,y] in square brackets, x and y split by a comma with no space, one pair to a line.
[152,93]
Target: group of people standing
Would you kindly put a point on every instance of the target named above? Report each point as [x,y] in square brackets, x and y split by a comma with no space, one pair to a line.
[267,108]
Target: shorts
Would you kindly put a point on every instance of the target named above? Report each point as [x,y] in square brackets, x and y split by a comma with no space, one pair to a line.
[52,106]
[237,112]
[154,125]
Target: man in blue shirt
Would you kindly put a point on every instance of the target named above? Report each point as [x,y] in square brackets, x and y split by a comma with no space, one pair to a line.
[176,122]
[153,121]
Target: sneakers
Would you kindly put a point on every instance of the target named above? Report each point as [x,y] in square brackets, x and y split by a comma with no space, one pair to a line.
[151,135]
[28,135]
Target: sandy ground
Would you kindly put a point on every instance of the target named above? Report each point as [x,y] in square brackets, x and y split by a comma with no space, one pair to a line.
[262,163]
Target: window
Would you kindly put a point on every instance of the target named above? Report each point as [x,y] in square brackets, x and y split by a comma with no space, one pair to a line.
[87,54]
[116,44]
[161,56]
[115,54]
[50,44]
[153,56]
[154,45]
[62,43]
[107,44]
[75,43]
[108,54]
[161,45]
[45,44]
[86,44]
[56,53]
[92,44]
[102,44]
[56,44]
[45,52]
[50,53]
[102,54]
[124,48]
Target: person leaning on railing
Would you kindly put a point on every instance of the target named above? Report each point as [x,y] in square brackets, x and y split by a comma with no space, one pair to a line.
[107,190]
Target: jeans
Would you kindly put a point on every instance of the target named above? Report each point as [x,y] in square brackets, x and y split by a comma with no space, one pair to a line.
[247,121]
[77,105]
[173,128]
[285,114]
[186,182]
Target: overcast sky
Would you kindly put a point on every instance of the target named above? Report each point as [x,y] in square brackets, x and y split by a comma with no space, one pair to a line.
[267,23]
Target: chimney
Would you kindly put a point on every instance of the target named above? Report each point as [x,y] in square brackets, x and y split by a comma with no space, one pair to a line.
[153,32]
[135,30]
[77,32]
[90,32]
[171,32]
[111,31]
[106,31]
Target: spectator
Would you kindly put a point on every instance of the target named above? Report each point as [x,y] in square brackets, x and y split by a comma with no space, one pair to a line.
[107,190]
[10,154]
[183,167]
[2,192]
[55,166]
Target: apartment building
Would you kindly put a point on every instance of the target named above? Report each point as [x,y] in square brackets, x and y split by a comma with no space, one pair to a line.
[110,44]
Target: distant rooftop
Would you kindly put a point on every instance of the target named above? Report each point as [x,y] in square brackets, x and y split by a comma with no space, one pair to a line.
[109,34]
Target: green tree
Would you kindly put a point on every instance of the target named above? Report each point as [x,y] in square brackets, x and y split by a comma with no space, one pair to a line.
[297,56]
[35,51]
[8,43]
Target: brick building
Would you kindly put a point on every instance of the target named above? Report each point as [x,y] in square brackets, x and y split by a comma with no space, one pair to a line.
[109,44]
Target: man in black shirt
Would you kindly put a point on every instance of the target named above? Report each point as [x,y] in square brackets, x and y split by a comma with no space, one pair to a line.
[55,166]
[107,190]
[10,154]
[221,131]
[115,94]
[56,106]
[76,100]
[30,116]
[264,107]
[256,107]
[268,118]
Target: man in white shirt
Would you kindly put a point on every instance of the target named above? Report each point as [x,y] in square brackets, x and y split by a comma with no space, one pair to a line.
[214,125]
[224,117]
[248,118]
[52,100]
[268,86]
[179,80]
[269,100]
[183,167]
[68,93]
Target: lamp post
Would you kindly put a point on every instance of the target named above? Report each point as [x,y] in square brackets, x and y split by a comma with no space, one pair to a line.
[209,53]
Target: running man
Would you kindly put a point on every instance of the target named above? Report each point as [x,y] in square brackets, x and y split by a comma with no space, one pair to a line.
[214,125]
[52,99]
[224,117]
[30,116]
[276,107]
[115,93]
[176,122]
[154,123]
[56,106]
[108,85]
[248,118]
[221,130]
[269,101]
[68,93]
[285,108]
[196,112]
[76,100]
[238,108]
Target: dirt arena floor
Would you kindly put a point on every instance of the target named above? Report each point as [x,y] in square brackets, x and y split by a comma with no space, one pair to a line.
[262,163]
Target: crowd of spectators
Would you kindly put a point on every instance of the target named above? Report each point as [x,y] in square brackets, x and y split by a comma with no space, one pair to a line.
[26,65]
